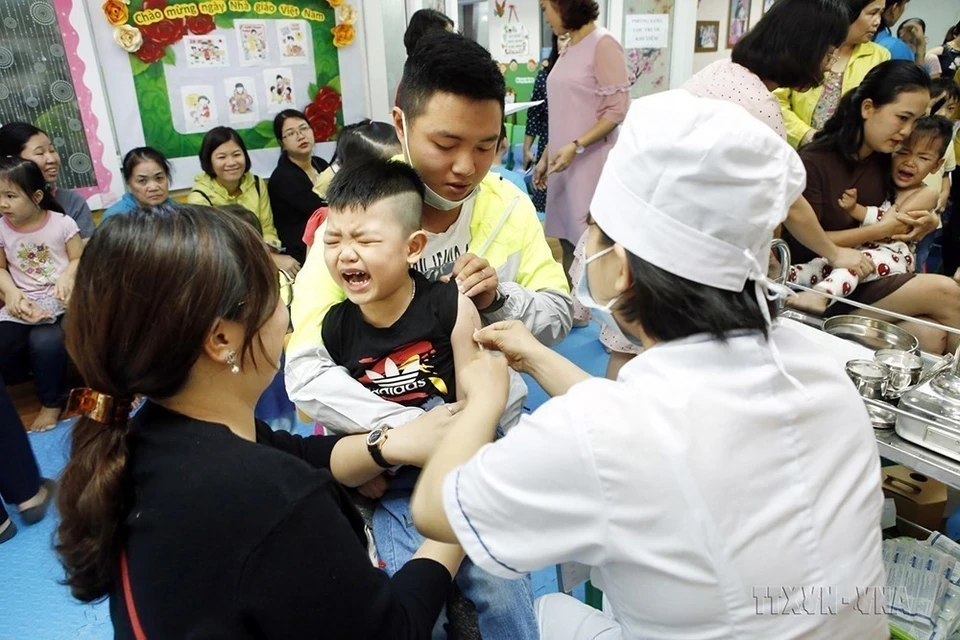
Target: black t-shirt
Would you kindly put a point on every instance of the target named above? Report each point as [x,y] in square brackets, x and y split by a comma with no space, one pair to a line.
[409,362]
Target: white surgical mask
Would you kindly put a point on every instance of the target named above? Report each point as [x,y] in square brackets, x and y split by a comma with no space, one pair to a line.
[603,312]
[431,197]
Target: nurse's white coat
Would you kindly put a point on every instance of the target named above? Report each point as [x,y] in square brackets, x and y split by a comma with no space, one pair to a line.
[702,487]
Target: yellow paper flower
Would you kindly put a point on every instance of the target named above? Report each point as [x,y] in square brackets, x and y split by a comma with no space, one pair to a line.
[129,38]
[334,3]
[116,12]
[346,14]
[343,35]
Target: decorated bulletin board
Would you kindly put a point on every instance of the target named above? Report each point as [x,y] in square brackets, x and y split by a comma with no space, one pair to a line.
[47,78]
[179,68]
[647,41]
[514,27]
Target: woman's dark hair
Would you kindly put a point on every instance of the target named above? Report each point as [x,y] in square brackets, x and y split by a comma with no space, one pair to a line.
[943,90]
[789,44]
[421,23]
[576,13]
[28,177]
[281,119]
[856,7]
[882,85]
[15,135]
[245,215]
[554,53]
[214,138]
[919,21]
[148,291]
[448,63]
[952,33]
[669,307]
[143,154]
[366,140]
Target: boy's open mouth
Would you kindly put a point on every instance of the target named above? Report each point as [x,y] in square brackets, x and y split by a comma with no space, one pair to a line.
[355,278]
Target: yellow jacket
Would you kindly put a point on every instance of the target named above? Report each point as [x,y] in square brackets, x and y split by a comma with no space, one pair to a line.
[253,195]
[512,241]
[798,106]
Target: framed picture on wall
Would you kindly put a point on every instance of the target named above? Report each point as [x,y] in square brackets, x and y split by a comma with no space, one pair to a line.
[766,6]
[739,21]
[708,36]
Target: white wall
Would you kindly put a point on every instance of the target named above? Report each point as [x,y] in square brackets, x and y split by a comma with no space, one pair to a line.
[719,10]
[939,15]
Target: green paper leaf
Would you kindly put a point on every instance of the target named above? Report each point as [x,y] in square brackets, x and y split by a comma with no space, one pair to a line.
[170,57]
[271,142]
[312,90]
[264,129]
[335,84]
[137,65]
[223,21]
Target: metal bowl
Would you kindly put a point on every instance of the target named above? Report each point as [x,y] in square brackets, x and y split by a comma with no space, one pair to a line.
[905,368]
[875,334]
[869,377]
[881,418]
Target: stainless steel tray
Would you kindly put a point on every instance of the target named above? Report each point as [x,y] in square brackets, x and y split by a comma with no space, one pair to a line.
[872,333]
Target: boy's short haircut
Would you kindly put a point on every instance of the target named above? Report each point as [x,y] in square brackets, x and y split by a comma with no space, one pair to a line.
[943,89]
[244,214]
[935,128]
[448,63]
[360,185]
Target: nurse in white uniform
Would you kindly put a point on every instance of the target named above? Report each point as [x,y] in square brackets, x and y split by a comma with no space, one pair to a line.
[727,484]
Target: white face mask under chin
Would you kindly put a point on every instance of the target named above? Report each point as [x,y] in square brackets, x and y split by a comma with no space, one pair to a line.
[432,198]
[603,312]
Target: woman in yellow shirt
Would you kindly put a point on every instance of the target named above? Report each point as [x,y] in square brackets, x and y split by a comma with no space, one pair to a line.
[805,112]
[226,179]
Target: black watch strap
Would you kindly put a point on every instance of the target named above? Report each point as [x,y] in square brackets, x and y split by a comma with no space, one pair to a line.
[378,457]
[499,300]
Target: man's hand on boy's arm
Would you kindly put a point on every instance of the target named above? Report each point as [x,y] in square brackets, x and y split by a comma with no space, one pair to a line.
[476,279]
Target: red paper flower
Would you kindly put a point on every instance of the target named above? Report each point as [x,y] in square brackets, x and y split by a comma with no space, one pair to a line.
[200,25]
[328,100]
[166,32]
[150,51]
[154,4]
[324,125]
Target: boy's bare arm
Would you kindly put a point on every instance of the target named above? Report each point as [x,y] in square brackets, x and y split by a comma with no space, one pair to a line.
[924,199]
[464,346]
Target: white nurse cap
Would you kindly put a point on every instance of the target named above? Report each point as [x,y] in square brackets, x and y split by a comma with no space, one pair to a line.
[696,187]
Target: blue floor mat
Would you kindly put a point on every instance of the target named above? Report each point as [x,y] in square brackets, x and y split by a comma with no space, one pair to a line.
[37,607]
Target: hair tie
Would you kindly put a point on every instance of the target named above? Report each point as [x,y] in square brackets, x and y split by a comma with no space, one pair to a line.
[100,407]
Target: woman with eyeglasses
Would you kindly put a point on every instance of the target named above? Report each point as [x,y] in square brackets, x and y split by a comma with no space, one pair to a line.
[195,501]
[296,187]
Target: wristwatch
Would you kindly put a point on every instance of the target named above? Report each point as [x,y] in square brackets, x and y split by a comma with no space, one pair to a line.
[499,300]
[375,441]
[580,147]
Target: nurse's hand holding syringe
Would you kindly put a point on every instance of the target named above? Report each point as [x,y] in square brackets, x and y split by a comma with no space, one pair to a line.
[527,355]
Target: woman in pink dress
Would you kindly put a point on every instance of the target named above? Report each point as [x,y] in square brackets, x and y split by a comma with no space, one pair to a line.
[590,88]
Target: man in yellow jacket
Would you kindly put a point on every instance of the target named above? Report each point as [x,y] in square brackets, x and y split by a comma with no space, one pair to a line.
[481,230]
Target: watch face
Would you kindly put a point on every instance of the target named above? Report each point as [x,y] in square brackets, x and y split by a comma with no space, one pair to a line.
[375,436]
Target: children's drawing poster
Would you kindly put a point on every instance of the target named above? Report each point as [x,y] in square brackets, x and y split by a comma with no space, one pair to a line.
[280,89]
[206,51]
[199,109]
[650,66]
[292,36]
[251,59]
[252,40]
[514,29]
[242,105]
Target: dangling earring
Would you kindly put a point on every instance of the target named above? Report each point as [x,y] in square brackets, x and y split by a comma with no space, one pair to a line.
[232,361]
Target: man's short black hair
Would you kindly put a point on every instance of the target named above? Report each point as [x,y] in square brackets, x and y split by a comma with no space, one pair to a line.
[789,44]
[421,23]
[936,128]
[362,184]
[448,63]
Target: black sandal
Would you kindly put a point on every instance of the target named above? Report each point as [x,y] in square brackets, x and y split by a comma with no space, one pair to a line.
[8,533]
[33,515]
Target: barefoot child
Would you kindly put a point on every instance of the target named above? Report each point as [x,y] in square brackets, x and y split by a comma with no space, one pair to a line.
[37,245]
[918,156]
[404,338]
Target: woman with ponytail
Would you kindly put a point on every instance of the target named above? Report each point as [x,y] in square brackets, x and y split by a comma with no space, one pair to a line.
[949,53]
[853,152]
[192,517]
